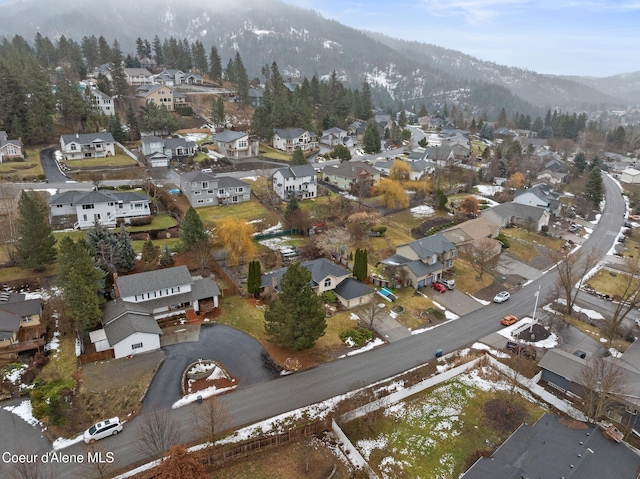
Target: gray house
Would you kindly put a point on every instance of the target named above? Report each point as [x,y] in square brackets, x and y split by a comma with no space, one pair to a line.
[207,189]
[176,148]
[507,214]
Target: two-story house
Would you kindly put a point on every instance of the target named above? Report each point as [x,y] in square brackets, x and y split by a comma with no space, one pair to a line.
[337,136]
[81,209]
[9,149]
[289,139]
[352,176]
[207,189]
[130,321]
[87,145]
[99,100]
[236,144]
[299,181]
[422,262]
[475,237]
[161,95]
[541,196]
[417,169]
[138,76]
[176,148]
[21,326]
[327,276]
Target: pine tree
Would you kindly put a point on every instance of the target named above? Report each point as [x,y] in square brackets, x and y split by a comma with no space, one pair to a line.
[360,264]
[191,230]
[104,246]
[116,130]
[215,65]
[296,319]
[371,138]
[298,157]
[241,80]
[254,278]
[580,161]
[149,254]
[594,187]
[35,244]
[166,258]
[125,260]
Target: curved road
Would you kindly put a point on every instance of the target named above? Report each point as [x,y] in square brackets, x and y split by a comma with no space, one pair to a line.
[268,399]
[50,166]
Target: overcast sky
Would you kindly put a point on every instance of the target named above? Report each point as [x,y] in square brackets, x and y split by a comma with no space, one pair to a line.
[563,37]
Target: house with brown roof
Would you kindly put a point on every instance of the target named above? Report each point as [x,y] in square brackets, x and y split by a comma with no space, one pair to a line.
[475,237]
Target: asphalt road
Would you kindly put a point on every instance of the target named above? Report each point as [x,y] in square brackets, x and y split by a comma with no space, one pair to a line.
[267,399]
[50,166]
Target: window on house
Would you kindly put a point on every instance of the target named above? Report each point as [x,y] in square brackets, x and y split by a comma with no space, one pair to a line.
[88,207]
[26,319]
[200,201]
[197,192]
[327,283]
[205,185]
[72,147]
[136,346]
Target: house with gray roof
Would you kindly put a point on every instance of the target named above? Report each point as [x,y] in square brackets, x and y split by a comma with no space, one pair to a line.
[207,189]
[81,209]
[351,176]
[236,144]
[137,76]
[130,322]
[175,148]
[100,100]
[417,169]
[9,149]
[299,181]
[423,261]
[551,448]
[327,276]
[541,196]
[87,145]
[517,214]
[21,325]
[288,139]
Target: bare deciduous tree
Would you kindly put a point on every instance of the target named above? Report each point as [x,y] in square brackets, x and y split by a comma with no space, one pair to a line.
[156,432]
[211,419]
[572,268]
[371,313]
[601,380]
[481,254]
[626,298]
[102,461]
[9,194]
[333,240]
[181,464]
[35,469]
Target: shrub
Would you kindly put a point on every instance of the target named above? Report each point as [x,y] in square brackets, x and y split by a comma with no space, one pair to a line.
[141,221]
[379,229]
[47,398]
[356,337]
[329,297]
[503,239]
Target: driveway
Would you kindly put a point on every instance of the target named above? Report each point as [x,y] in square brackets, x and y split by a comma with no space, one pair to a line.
[239,353]
[50,166]
[508,266]
[454,300]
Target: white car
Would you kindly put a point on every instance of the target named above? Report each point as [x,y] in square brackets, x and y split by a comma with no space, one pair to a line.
[108,427]
[501,297]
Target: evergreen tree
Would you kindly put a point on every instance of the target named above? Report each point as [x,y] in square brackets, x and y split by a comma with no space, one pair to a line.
[360,267]
[118,75]
[116,130]
[255,277]
[149,253]
[157,51]
[296,319]
[191,230]
[594,187]
[132,120]
[580,161]
[440,200]
[298,157]
[199,57]
[292,207]
[35,244]
[215,65]
[217,111]
[166,258]
[125,259]
[241,81]
[371,138]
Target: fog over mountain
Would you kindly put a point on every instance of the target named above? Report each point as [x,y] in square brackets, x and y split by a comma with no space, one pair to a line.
[303,43]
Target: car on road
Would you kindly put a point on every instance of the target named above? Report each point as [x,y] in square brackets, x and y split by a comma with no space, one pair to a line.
[449,283]
[509,320]
[102,429]
[501,297]
[439,287]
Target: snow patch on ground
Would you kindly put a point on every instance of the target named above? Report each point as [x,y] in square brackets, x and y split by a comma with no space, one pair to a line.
[510,332]
[367,347]
[25,412]
[205,393]
[422,211]
[481,301]
[62,443]
[488,190]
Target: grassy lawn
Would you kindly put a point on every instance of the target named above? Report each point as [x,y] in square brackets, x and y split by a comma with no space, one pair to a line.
[30,167]
[120,159]
[248,211]
[160,222]
[272,153]
[160,243]
[435,433]
[14,273]
[465,277]
[534,238]
[596,334]
[611,283]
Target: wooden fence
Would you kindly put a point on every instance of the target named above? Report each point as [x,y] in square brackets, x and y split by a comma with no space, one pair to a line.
[232,288]
[97,356]
[218,457]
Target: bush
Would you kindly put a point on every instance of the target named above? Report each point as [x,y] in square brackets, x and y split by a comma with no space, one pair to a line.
[141,221]
[184,111]
[379,229]
[47,398]
[503,239]
[356,337]
[329,297]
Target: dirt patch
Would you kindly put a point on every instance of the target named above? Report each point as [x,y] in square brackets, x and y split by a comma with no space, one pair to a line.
[538,333]
[505,414]
[103,376]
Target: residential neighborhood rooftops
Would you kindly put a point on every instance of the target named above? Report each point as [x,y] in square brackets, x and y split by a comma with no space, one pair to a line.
[290,133]
[297,171]
[435,244]
[226,136]
[351,288]
[138,283]
[131,323]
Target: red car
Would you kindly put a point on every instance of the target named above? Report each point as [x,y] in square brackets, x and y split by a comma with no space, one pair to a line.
[439,287]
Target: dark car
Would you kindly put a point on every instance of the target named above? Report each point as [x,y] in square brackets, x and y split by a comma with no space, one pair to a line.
[439,287]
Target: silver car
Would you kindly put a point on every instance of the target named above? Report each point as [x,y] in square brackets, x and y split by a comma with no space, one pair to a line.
[501,297]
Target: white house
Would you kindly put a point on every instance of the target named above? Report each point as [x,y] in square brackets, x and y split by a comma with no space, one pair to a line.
[236,144]
[630,175]
[130,321]
[87,145]
[9,149]
[82,208]
[290,138]
[297,180]
[207,189]
[102,101]
[540,195]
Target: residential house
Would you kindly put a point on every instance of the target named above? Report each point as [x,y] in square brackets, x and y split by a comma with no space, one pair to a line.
[255,97]
[417,169]
[299,181]
[21,326]
[554,172]
[158,160]
[207,189]
[100,100]
[476,236]
[540,195]
[236,144]
[337,136]
[552,448]
[10,149]
[510,214]
[291,138]
[81,209]
[174,77]
[87,145]
[327,276]
[161,95]
[358,127]
[440,154]
[175,148]
[130,322]
[352,176]
[138,76]
[630,175]
[422,262]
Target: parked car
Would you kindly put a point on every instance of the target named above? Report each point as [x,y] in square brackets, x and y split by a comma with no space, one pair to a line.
[100,430]
[509,320]
[449,283]
[525,350]
[580,354]
[501,297]
[574,227]
[439,287]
